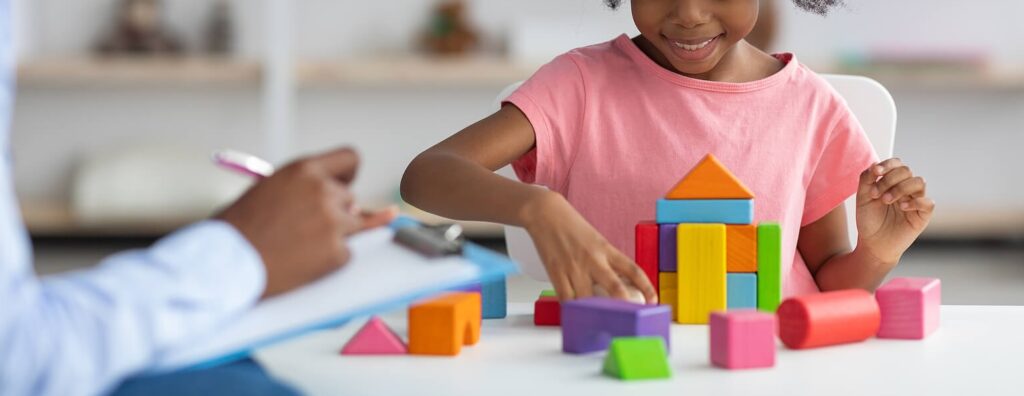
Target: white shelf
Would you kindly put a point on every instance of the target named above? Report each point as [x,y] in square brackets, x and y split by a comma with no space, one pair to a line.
[414,70]
[1004,79]
[57,219]
[397,71]
[121,71]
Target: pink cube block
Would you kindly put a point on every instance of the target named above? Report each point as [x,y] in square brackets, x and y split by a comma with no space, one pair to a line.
[742,339]
[910,307]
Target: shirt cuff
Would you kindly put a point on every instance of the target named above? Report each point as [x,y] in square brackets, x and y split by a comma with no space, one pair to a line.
[230,264]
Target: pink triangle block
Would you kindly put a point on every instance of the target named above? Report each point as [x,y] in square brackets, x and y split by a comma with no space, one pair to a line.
[375,338]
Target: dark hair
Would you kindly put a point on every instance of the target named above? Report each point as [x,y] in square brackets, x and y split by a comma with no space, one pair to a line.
[820,7]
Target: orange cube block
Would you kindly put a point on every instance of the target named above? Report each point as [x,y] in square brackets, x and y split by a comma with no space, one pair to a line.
[741,248]
[442,325]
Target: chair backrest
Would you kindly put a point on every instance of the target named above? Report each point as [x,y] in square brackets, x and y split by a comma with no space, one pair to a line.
[869,101]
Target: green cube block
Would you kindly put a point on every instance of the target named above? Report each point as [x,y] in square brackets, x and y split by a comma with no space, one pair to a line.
[769,266]
[548,293]
[637,358]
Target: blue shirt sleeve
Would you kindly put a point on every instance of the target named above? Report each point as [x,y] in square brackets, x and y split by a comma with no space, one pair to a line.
[82,333]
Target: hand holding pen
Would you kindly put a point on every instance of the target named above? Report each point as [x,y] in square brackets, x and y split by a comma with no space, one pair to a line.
[299,218]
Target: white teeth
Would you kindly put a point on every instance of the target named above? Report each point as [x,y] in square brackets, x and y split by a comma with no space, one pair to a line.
[693,47]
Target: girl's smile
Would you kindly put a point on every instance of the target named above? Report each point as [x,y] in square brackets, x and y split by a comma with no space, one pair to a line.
[693,50]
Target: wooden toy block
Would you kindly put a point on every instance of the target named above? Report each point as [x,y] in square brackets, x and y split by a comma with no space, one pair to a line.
[830,318]
[667,291]
[700,284]
[741,248]
[727,211]
[646,242]
[909,307]
[637,358]
[493,296]
[548,293]
[667,247]
[742,339]
[374,338]
[589,324]
[547,311]
[709,179]
[741,291]
[769,266]
[442,325]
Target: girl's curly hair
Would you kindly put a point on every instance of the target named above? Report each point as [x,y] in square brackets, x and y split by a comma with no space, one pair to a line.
[821,7]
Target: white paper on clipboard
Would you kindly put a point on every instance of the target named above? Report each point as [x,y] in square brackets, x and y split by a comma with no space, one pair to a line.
[381,275]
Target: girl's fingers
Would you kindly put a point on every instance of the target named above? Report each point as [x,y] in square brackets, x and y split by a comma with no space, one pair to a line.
[563,288]
[609,281]
[884,167]
[581,282]
[628,269]
[922,204]
[866,183]
[894,177]
[909,188]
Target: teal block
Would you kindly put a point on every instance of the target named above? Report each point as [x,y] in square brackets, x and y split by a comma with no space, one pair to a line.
[726,211]
[493,298]
[741,291]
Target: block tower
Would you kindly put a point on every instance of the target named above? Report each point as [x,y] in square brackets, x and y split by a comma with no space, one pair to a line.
[709,254]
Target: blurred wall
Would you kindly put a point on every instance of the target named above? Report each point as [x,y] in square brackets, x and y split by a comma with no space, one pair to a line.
[963,139]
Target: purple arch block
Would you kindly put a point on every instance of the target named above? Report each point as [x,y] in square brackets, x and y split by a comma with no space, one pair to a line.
[589,324]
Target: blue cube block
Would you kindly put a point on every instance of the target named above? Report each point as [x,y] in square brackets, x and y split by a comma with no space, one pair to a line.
[493,299]
[727,211]
[741,290]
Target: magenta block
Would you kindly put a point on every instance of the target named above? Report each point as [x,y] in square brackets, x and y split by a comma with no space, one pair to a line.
[910,307]
[742,339]
[374,338]
[589,324]
[667,258]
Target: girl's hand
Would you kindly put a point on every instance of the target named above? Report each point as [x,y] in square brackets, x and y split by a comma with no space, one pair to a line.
[577,257]
[892,210]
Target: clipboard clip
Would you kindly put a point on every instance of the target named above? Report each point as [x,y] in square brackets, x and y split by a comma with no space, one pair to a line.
[432,240]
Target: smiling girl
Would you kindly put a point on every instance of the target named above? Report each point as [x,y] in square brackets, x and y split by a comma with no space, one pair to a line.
[610,127]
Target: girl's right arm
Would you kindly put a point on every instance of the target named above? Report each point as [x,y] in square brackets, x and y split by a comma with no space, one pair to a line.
[456,179]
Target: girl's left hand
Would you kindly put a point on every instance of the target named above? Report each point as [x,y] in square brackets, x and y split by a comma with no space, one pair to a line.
[892,209]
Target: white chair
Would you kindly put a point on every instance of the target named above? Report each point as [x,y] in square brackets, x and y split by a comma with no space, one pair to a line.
[869,101]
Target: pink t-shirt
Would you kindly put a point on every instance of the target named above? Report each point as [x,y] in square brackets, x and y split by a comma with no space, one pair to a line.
[615,131]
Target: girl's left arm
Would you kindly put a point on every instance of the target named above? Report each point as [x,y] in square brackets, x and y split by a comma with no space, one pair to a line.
[892,210]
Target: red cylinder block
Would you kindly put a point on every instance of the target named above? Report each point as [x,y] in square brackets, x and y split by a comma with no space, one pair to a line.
[829,318]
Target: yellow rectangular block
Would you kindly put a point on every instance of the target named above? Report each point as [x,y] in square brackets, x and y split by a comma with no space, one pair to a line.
[700,270]
[741,248]
[667,290]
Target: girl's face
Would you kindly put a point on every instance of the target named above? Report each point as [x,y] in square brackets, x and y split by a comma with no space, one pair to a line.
[692,36]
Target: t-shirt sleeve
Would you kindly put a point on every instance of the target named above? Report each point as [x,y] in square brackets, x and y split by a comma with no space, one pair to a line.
[845,154]
[553,101]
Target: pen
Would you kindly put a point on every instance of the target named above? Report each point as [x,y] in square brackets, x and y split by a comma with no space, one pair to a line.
[251,165]
[246,164]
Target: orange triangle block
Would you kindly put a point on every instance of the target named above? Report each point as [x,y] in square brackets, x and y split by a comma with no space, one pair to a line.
[375,338]
[709,180]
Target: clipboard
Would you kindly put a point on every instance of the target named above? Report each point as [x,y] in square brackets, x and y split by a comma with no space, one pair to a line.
[380,276]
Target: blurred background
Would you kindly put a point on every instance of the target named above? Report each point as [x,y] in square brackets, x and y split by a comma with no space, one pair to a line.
[120,103]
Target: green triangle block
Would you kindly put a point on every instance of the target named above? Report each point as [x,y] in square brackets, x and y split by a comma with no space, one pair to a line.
[548,293]
[637,358]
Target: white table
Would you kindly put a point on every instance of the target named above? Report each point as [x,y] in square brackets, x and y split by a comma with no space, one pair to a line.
[976,351]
